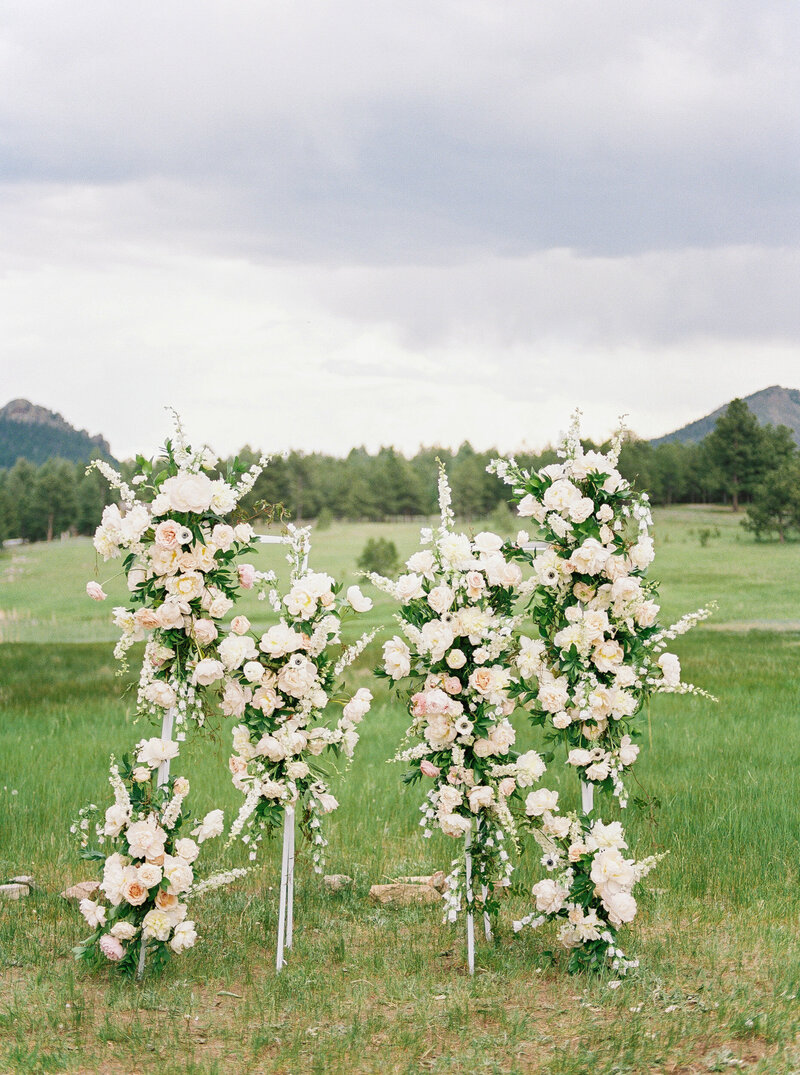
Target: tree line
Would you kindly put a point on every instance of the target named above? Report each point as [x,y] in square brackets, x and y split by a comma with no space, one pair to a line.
[739,463]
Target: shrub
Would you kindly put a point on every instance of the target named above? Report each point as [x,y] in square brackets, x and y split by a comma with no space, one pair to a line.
[379,555]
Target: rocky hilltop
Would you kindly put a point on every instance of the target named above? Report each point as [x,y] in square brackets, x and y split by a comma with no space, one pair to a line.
[35,433]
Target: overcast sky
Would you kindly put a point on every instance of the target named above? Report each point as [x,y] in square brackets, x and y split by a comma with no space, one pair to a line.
[313,224]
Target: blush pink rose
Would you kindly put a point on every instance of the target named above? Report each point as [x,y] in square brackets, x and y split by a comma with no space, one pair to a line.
[427,768]
[96,591]
[111,948]
[247,576]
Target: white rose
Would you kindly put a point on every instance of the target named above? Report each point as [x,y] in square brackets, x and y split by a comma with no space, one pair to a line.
[612,872]
[620,907]
[530,767]
[590,558]
[456,659]
[189,492]
[253,671]
[160,693]
[205,631]
[642,554]
[154,751]
[358,706]
[486,542]
[628,753]
[396,658]
[437,638]
[270,747]
[222,536]
[207,671]
[561,496]
[300,602]
[244,533]
[146,838]
[123,931]
[408,588]
[184,937]
[187,849]
[441,598]
[357,600]
[422,563]
[480,797]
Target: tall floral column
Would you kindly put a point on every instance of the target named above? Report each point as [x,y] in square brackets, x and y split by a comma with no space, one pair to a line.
[454,665]
[179,548]
[595,655]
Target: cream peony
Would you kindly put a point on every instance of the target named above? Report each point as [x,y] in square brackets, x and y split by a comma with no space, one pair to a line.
[189,492]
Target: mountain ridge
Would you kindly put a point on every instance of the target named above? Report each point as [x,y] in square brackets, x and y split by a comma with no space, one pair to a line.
[28,431]
[774,405]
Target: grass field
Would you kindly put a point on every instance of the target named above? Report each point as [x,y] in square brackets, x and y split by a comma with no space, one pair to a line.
[376,989]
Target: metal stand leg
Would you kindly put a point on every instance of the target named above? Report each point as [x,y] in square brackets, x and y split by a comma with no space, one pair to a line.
[167,724]
[470,915]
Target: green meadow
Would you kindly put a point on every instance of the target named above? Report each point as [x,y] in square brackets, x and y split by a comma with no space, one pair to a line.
[380,989]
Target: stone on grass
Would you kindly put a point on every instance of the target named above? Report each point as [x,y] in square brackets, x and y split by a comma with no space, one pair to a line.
[435,880]
[404,894]
[82,891]
[23,879]
[337,881]
[14,892]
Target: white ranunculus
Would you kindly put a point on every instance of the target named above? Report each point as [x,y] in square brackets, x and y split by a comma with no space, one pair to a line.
[480,797]
[297,677]
[207,671]
[280,640]
[234,650]
[549,895]
[189,492]
[117,817]
[620,907]
[211,826]
[94,913]
[671,669]
[179,873]
[454,825]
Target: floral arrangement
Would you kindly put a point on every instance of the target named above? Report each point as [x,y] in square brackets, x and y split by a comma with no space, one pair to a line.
[601,652]
[284,682]
[455,665]
[149,873]
[590,890]
[180,551]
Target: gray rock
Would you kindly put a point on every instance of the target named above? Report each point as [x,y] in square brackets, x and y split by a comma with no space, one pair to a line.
[403,894]
[14,892]
[83,890]
[336,882]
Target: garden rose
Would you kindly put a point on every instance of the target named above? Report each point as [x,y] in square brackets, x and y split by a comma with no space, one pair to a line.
[184,936]
[96,591]
[94,913]
[111,948]
[189,492]
[357,600]
[211,826]
[280,640]
[207,671]
[154,751]
[396,658]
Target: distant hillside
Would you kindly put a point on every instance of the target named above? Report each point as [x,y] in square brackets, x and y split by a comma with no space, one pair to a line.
[772,406]
[36,434]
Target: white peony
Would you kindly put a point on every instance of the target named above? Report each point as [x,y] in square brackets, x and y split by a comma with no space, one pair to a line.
[189,492]
[184,936]
[154,751]
[357,600]
[234,650]
[211,826]
[549,895]
[540,800]
[207,671]
[146,838]
[280,640]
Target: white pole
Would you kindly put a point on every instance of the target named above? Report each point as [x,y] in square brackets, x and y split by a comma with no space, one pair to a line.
[167,724]
[587,797]
[290,823]
[487,921]
[470,916]
[279,960]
